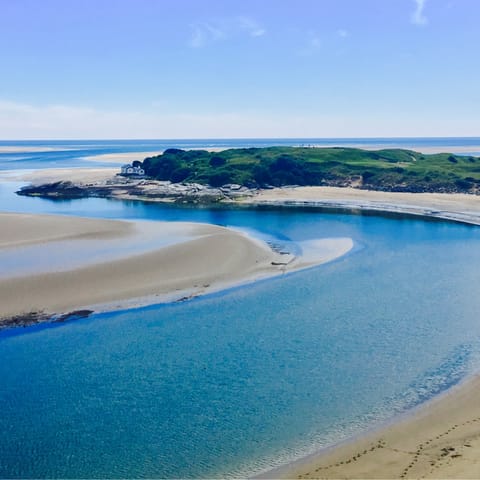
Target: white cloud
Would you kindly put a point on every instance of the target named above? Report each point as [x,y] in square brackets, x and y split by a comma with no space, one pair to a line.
[251,27]
[208,32]
[418,16]
[342,33]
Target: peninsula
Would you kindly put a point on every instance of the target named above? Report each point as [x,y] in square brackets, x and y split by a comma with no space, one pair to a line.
[216,176]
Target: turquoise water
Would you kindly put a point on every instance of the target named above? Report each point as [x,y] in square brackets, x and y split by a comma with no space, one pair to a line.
[241,381]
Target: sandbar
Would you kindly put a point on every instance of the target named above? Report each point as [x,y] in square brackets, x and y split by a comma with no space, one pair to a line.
[126,157]
[84,175]
[29,149]
[449,206]
[200,259]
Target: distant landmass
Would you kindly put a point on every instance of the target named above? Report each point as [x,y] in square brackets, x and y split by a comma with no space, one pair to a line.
[387,170]
[212,177]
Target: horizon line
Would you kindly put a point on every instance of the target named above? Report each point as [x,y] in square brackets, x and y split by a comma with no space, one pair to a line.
[234,138]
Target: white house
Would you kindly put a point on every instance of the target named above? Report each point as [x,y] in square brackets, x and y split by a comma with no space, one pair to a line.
[128,170]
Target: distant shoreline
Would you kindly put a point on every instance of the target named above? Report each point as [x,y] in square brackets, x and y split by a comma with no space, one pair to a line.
[103,182]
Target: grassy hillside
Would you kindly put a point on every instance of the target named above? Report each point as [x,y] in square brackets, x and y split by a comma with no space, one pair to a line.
[389,170]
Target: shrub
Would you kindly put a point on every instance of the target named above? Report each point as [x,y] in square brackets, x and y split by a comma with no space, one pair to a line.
[217,161]
[180,174]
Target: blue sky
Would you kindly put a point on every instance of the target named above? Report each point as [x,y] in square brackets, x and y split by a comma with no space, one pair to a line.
[263,68]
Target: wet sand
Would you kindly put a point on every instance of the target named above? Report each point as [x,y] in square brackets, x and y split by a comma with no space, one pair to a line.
[439,440]
[202,258]
[452,206]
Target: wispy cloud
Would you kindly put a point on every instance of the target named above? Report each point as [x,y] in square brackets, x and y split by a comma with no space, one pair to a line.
[205,33]
[312,45]
[342,33]
[211,31]
[251,27]
[418,17]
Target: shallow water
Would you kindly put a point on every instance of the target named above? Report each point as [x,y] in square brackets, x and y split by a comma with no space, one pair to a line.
[241,381]
[62,255]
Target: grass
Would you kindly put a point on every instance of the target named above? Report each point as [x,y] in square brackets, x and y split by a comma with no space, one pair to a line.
[388,169]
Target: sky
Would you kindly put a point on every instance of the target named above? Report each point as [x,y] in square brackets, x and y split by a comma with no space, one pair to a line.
[239,68]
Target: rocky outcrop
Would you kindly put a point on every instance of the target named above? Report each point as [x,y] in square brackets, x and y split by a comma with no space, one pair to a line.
[120,187]
[33,318]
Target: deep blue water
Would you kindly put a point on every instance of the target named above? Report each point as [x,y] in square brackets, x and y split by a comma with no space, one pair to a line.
[244,380]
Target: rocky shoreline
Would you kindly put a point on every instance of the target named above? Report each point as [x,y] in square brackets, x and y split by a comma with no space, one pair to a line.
[143,189]
[34,318]
[138,188]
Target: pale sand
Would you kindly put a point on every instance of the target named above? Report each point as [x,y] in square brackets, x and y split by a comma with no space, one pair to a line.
[131,156]
[25,149]
[454,206]
[82,175]
[439,440]
[25,229]
[206,259]
[127,157]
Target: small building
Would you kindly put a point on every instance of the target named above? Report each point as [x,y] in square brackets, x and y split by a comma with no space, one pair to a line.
[128,170]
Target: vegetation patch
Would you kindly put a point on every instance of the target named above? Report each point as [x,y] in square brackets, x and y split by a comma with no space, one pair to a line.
[387,170]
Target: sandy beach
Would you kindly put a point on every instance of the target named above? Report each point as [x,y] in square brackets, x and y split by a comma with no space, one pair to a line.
[127,157]
[450,206]
[439,440]
[195,259]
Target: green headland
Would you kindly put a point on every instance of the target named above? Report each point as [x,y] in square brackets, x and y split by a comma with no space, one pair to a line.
[387,170]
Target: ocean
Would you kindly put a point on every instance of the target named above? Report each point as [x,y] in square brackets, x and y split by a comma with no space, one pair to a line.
[69,153]
[241,381]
